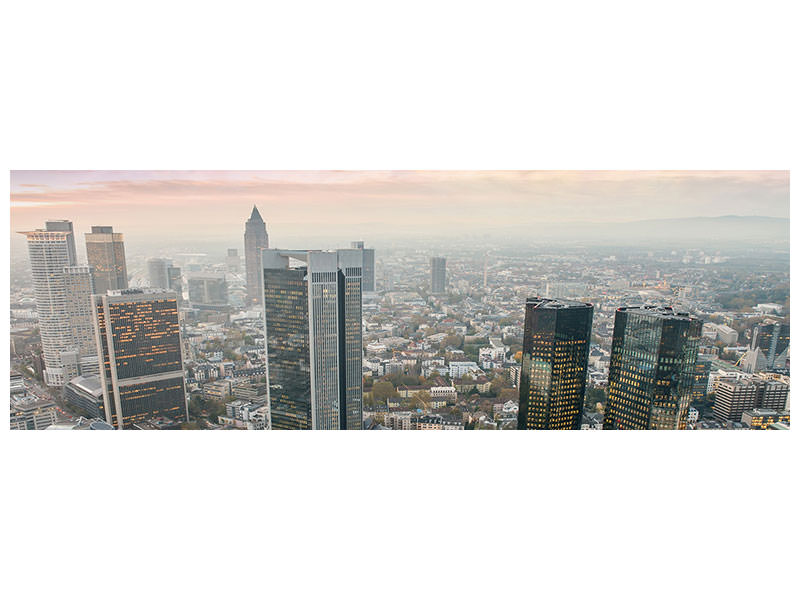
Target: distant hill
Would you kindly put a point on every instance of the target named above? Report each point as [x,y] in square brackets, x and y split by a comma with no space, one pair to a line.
[728,228]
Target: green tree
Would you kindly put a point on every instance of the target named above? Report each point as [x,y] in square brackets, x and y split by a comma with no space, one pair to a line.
[383,390]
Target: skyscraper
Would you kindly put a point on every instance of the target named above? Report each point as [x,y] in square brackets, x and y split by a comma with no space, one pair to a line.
[137,335]
[105,252]
[63,293]
[702,370]
[66,227]
[232,260]
[208,291]
[555,351]
[772,338]
[164,276]
[255,240]
[652,369]
[438,274]
[368,273]
[157,272]
[312,313]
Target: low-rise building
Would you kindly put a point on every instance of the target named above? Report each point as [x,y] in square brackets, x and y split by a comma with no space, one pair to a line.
[762,418]
[30,412]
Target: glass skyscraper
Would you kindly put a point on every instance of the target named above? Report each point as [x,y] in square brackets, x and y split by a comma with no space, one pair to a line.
[652,370]
[555,351]
[312,313]
[105,251]
[141,368]
[772,338]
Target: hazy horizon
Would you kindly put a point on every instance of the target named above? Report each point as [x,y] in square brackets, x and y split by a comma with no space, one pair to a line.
[212,206]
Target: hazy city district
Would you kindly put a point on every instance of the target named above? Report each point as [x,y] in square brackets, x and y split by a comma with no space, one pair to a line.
[479,334]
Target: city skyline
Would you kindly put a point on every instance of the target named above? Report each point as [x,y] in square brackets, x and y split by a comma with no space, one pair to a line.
[444,335]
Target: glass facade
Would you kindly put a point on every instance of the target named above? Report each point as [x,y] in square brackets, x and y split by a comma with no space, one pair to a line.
[652,370]
[773,340]
[105,252]
[555,352]
[138,340]
[350,285]
[288,355]
[312,310]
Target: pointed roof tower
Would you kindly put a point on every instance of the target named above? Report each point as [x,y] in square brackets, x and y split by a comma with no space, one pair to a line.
[255,215]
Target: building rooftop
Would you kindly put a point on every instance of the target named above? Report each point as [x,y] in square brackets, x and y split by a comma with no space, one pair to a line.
[659,311]
[88,383]
[555,303]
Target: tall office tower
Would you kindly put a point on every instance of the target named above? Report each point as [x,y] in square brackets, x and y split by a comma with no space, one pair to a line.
[702,369]
[105,252]
[651,375]
[164,276]
[312,314]
[555,352]
[368,272]
[438,274]
[772,338]
[175,282]
[157,273]
[208,291]
[59,286]
[232,260]
[66,227]
[255,240]
[138,340]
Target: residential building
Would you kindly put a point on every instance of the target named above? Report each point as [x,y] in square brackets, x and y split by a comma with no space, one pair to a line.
[651,374]
[312,312]
[62,291]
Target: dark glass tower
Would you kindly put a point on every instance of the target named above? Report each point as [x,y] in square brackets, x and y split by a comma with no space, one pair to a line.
[702,370]
[141,368]
[255,240]
[105,252]
[652,370]
[312,314]
[773,340]
[555,351]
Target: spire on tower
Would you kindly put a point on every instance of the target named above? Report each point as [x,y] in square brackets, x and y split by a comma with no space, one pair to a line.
[255,215]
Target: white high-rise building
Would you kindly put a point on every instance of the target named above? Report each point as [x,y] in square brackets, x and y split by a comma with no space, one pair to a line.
[63,300]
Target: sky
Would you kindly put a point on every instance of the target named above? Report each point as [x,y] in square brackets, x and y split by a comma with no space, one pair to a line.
[371,204]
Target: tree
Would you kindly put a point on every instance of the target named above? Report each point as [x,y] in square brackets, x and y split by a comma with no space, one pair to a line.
[508,394]
[383,390]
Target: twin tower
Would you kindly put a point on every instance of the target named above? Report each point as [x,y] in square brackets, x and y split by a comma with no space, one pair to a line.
[653,357]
